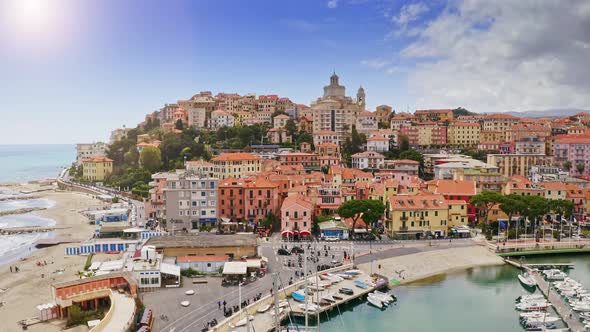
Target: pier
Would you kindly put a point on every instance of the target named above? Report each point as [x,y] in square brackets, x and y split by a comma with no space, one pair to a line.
[558,302]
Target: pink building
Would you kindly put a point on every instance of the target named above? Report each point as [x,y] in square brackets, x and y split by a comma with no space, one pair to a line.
[576,150]
[411,132]
[296,214]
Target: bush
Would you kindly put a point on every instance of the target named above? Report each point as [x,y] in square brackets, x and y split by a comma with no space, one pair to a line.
[80,317]
[190,272]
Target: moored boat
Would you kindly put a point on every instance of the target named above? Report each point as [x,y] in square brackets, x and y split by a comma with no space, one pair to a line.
[527,280]
[361,284]
[375,302]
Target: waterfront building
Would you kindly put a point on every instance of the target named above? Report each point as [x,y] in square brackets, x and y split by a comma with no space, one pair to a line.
[96,169]
[418,216]
[248,199]
[518,164]
[236,165]
[191,201]
[296,216]
[335,111]
[89,150]
[204,244]
[456,190]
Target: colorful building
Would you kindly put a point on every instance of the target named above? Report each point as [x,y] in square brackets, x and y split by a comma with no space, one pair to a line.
[96,168]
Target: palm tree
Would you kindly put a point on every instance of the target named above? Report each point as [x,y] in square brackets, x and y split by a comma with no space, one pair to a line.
[580,168]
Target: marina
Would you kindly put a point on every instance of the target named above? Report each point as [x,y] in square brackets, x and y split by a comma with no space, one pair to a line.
[294,302]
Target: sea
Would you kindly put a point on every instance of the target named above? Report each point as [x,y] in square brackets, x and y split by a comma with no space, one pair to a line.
[478,299]
[20,164]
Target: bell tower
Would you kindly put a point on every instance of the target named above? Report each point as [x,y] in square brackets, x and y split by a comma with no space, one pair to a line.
[360,97]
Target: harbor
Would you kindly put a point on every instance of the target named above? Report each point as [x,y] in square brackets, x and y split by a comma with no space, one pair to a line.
[323,296]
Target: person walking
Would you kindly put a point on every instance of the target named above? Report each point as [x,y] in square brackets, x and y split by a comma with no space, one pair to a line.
[219,305]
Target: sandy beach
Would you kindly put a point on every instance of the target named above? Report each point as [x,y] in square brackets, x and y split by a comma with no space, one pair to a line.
[423,265]
[26,289]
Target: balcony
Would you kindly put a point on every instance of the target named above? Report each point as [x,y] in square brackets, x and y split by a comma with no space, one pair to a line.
[402,218]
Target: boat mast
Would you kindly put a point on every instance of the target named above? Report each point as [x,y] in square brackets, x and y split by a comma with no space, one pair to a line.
[305,289]
[275,287]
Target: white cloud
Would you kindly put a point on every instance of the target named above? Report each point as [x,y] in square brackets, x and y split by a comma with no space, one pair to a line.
[410,13]
[376,63]
[332,3]
[502,55]
[300,25]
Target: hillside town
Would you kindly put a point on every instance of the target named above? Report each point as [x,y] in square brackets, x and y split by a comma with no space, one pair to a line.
[431,162]
[230,186]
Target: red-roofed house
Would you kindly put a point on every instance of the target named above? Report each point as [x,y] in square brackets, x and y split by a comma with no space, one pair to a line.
[456,190]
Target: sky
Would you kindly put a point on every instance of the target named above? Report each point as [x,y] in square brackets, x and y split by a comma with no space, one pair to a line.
[71,71]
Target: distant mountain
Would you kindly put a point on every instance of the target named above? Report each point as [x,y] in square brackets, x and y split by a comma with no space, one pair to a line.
[548,113]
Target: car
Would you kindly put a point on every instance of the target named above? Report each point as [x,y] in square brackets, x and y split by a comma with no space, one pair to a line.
[297,250]
[331,238]
[283,252]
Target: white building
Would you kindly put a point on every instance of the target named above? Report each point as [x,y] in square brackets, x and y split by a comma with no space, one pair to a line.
[367,122]
[90,150]
[378,143]
[220,119]
[367,160]
[205,264]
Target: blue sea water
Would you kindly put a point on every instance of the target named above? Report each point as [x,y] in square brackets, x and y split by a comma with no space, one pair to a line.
[22,163]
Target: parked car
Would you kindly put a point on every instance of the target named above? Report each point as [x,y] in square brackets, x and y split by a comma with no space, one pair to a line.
[283,252]
[297,250]
[331,238]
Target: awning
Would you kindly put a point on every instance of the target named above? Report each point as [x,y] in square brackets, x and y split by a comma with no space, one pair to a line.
[305,233]
[170,269]
[286,233]
[253,263]
[463,231]
[235,268]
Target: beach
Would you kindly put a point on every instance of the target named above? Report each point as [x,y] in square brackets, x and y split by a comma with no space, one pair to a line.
[422,265]
[27,288]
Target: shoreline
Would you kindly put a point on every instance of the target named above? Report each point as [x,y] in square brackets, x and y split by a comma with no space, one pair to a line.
[417,267]
[31,286]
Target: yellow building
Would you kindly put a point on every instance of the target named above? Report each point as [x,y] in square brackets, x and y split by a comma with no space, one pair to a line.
[502,123]
[463,133]
[416,216]
[518,164]
[425,132]
[240,117]
[235,165]
[96,168]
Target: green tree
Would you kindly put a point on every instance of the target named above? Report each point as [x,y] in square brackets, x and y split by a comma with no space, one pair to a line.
[534,208]
[291,127]
[484,202]
[511,204]
[370,210]
[404,143]
[580,168]
[179,124]
[562,207]
[151,158]
[567,165]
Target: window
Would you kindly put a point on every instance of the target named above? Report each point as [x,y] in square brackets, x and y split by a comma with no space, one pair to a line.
[436,213]
[203,194]
[194,203]
[305,213]
[286,213]
[202,212]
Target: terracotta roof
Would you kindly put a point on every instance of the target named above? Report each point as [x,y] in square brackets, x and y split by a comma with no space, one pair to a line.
[282,116]
[199,163]
[296,199]
[97,159]
[418,202]
[573,140]
[367,154]
[377,138]
[500,116]
[433,111]
[239,156]
[454,187]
